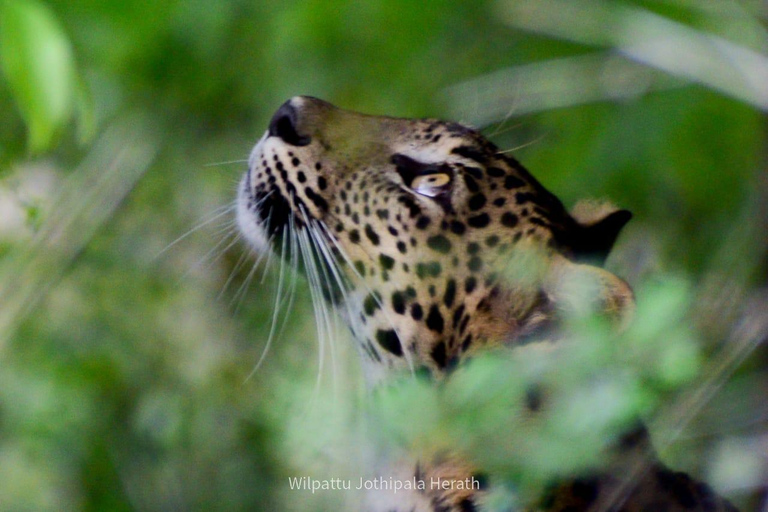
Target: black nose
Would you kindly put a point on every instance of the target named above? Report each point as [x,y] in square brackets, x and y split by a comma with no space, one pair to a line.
[284,125]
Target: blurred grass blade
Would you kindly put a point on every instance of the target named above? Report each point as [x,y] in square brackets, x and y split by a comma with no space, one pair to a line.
[749,332]
[86,114]
[651,39]
[39,66]
[552,84]
[87,201]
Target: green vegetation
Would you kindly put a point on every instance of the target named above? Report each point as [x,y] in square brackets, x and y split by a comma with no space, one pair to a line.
[127,351]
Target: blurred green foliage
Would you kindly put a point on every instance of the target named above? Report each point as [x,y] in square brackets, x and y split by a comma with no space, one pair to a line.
[39,67]
[126,355]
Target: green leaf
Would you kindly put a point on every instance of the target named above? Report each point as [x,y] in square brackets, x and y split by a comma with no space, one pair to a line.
[38,64]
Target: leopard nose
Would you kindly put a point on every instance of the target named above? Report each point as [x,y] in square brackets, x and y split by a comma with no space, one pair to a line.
[285,125]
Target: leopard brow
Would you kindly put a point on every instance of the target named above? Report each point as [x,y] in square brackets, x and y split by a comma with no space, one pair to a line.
[471,153]
[409,169]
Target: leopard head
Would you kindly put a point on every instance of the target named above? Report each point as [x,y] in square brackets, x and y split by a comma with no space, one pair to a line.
[409,228]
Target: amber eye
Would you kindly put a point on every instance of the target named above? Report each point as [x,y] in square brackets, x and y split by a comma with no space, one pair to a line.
[427,179]
[430,185]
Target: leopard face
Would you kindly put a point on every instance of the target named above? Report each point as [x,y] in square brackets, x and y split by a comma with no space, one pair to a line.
[409,225]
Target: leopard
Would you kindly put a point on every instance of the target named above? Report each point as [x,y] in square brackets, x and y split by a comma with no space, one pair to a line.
[415,224]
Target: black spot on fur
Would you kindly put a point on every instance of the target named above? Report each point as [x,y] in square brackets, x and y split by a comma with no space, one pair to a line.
[495,172]
[476,202]
[438,354]
[413,208]
[371,234]
[432,269]
[472,185]
[450,293]
[422,222]
[474,172]
[354,236]
[457,316]
[439,243]
[315,198]
[371,304]
[512,181]
[389,341]
[479,221]
[463,326]
[524,197]
[435,319]
[509,219]
[398,303]
[386,262]
[416,311]
[471,153]
[470,284]
[458,227]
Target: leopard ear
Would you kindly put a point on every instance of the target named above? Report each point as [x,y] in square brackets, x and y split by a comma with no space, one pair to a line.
[576,287]
[598,226]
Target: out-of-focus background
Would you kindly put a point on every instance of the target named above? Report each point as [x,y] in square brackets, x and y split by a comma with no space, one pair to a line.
[131,319]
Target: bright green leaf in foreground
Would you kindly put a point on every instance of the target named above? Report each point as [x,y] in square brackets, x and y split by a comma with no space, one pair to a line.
[39,66]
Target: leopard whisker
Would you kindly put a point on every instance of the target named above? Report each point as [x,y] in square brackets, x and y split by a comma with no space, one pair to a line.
[317,302]
[239,295]
[227,162]
[294,267]
[238,266]
[321,279]
[515,104]
[525,145]
[275,311]
[220,248]
[365,285]
[212,216]
[228,239]
[335,268]
[330,318]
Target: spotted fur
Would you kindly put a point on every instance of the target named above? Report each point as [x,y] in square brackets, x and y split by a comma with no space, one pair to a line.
[417,221]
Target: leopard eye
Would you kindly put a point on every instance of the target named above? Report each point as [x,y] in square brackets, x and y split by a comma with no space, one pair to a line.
[428,179]
[430,185]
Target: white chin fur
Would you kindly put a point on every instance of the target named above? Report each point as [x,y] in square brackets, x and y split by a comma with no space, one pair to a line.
[248,220]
